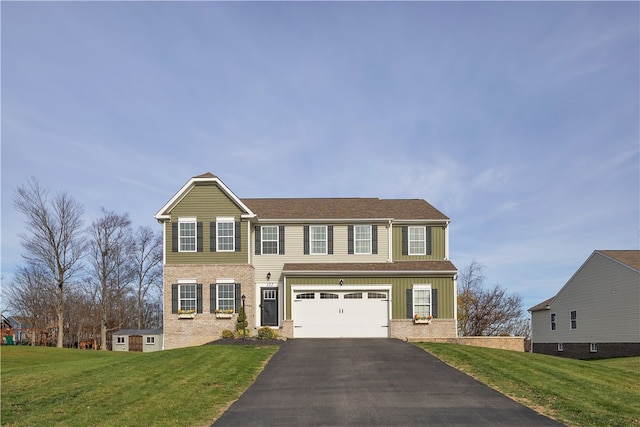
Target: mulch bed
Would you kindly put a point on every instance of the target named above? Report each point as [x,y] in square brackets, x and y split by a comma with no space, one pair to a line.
[249,341]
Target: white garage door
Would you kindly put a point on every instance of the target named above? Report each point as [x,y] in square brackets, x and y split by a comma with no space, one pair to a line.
[340,314]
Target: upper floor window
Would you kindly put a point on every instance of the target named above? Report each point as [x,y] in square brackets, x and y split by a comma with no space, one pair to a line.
[318,239]
[553,321]
[187,235]
[270,239]
[417,241]
[226,234]
[574,320]
[422,300]
[362,239]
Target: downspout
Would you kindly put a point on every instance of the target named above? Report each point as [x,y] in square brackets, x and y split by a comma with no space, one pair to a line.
[446,241]
[390,245]
[455,301]
[164,262]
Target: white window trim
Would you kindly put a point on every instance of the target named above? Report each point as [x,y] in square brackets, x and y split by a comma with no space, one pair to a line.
[150,340]
[233,298]
[593,347]
[571,320]
[560,347]
[262,240]
[233,231]
[424,241]
[195,237]
[326,240]
[180,299]
[413,297]
[355,240]
[120,340]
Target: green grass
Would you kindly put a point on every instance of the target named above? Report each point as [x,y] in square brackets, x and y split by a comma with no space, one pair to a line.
[575,392]
[64,387]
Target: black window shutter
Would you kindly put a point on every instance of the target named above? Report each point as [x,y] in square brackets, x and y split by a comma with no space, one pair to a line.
[306,239]
[238,297]
[174,237]
[212,236]
[330,240]
[174,299]
[281,240]
[434,303]
[198,298]
[374,239]
[212,298]
[350,239]
[428,240]
[405,240]
[258,241]
[199,234]
[409,303]
[238,236]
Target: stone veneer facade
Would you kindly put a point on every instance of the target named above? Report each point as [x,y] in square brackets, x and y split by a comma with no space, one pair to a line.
[204,327]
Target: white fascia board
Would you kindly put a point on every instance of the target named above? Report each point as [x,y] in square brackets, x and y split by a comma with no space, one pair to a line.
[421,221]
[164,213]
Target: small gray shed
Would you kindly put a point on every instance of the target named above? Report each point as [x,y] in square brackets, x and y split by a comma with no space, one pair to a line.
[145,340]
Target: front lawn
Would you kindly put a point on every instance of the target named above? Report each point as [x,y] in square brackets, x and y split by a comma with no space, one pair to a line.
[575,392]
[64,387]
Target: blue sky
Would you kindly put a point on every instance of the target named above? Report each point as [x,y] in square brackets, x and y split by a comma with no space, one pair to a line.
[520,121]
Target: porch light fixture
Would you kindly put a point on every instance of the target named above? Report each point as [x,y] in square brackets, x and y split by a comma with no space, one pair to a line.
[268,275]
[341,282]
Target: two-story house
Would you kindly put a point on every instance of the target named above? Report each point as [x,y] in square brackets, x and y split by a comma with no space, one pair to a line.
[330,267]
[596,313]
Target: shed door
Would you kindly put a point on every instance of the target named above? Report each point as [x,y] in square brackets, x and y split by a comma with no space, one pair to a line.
[135,343]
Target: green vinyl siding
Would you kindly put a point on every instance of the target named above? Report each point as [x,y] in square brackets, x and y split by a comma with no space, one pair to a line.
[437,244]
[399,286]
[206,202]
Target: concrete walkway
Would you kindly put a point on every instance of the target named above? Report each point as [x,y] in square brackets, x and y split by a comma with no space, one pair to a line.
[369,382]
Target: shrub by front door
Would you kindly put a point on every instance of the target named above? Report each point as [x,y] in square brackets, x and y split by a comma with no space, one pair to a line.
[269,306]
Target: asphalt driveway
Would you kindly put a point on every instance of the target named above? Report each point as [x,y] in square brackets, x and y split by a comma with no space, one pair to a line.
[369,382]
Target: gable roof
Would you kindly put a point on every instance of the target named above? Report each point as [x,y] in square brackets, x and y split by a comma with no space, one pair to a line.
[343,208]
[165,212]
[629,258]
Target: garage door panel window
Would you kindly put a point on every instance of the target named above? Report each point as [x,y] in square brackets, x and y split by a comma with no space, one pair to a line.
[308,295]
[376,295]
[353,295]
[327,295]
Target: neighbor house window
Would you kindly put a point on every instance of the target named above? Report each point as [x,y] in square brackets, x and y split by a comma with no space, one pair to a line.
[422,300]
[560,346]
[417,241]
[187,297]
[574,320]
[593,348]
[318,239]
[187,235]
[269,236]
[553,321]
[226,234]
[362,239]
[120,340]
[151,340]
[226,296]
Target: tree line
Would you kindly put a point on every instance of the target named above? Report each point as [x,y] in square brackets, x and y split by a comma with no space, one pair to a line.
[79,283]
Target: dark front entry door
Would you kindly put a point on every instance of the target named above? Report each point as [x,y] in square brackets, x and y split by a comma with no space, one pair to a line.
[135,343]
[269,306]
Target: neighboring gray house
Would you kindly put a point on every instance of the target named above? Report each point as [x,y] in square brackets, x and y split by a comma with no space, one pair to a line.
[596,313]
[144,340]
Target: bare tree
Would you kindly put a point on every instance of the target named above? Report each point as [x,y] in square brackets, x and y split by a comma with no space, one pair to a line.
[486,311]
[147,254]
[111,246]
[53,241]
